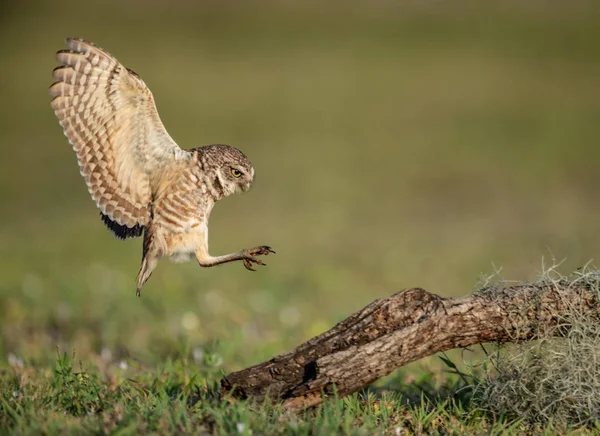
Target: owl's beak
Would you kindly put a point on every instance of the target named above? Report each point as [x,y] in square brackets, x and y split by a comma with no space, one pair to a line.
[246,187]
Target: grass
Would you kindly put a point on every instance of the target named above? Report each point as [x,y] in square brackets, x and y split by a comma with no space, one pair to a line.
[180,397]
[395,144]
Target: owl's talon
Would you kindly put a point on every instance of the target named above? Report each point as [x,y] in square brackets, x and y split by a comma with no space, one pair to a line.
[248,264]
[249,261]
[263,250]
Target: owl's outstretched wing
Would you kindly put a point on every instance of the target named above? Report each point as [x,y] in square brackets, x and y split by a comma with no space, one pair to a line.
[109,116]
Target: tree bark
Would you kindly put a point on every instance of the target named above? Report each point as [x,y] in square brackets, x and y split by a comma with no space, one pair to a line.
[407,326]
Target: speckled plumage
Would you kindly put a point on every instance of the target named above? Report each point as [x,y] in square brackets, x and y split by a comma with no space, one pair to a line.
[140,179]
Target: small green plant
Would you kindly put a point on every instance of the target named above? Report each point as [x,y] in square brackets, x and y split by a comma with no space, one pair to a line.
[74,392]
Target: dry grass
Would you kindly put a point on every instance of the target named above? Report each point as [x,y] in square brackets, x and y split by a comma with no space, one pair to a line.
[553,380]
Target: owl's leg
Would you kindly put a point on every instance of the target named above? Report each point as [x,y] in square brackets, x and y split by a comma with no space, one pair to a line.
[247,256]
[150,256]
[148,265]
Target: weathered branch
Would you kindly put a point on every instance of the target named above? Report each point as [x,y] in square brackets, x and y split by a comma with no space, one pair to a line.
[407,326]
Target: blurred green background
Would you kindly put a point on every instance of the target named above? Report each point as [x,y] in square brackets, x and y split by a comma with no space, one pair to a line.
[396,144]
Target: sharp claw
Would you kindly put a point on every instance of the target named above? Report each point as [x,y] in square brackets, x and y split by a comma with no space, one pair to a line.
[248,265]
[249,261]
[267,249]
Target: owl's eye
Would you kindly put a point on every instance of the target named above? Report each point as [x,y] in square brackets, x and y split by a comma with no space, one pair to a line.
[236,172]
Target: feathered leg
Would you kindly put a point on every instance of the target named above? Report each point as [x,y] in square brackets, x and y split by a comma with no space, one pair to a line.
[150,258]
[148,265]
[247,256]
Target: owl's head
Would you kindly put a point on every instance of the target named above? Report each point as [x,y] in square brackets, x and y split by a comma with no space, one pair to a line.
[229,171]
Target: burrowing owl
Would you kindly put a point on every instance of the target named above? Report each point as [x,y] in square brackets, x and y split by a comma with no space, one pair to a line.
[140,179]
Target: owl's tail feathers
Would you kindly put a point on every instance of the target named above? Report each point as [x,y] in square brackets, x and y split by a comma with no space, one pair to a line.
[148,265]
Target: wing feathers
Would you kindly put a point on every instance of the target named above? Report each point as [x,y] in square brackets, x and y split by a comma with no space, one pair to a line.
[121,232]
[109,116]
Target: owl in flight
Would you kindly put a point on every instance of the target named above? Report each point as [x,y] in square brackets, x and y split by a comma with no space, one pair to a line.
[140,179]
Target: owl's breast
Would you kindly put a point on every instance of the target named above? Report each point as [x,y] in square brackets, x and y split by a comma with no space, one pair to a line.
[180,217]
[184,237]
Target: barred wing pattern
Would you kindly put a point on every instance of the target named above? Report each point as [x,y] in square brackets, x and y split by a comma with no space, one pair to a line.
[109,116]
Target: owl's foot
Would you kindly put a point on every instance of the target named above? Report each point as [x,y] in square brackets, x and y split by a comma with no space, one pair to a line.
[149,262]
[249,256]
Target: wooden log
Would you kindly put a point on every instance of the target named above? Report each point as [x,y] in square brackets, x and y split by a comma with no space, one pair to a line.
[407,326]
